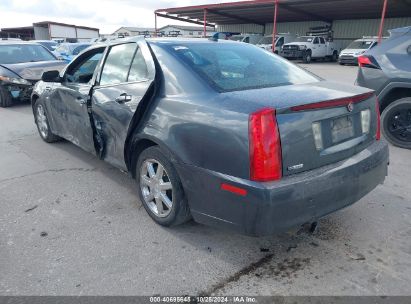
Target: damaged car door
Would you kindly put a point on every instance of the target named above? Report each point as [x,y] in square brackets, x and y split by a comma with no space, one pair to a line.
[124,79]
[70,100]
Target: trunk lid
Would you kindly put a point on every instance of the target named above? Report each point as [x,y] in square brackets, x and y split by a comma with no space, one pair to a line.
[304,115]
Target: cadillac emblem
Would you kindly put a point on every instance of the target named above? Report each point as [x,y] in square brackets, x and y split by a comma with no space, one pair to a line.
[350,107]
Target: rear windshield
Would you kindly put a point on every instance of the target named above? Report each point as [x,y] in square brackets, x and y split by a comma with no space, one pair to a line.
[234,67]
[266,40]
[237,38]
[360,45]
[18,53]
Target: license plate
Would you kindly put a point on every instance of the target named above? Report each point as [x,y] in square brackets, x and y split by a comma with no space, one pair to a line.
[342,128]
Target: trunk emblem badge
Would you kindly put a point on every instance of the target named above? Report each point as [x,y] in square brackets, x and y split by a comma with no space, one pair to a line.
[350,107]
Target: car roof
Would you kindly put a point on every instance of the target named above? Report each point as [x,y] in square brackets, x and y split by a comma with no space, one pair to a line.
[157,40]
[173,40]
[14,42]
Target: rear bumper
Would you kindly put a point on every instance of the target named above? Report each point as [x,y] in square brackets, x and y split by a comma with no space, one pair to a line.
[274,207]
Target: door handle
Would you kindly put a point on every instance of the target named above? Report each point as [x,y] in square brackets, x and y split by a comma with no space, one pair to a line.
[81,101]
[123,98]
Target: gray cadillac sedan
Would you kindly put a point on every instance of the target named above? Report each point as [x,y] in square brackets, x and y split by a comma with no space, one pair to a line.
[218,131]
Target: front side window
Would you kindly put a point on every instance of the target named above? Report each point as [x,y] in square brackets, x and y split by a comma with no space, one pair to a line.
[280,41]
[237,66]
[117,65]
[19,53]
[82,70]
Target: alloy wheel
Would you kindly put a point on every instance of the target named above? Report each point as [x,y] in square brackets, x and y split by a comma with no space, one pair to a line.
[41,120]
[399,125]
[156,187]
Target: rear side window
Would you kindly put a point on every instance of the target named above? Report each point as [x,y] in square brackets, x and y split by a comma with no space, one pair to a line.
[238,66]
[117,64]
[138,70]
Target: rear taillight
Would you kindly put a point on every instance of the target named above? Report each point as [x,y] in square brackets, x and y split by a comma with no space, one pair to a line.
[365,61]
[265,146]
[377,109]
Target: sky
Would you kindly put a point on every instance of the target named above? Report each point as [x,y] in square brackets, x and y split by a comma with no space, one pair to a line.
[107,15]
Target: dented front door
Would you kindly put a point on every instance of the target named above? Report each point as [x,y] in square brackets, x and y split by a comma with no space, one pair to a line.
[71,101]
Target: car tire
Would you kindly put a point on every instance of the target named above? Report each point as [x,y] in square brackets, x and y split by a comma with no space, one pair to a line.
[166,207]
[42,122]
[5,98]
[334,57]
[307,57]
[393,118]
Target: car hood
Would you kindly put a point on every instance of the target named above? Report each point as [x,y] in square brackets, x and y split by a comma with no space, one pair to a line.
[34,70]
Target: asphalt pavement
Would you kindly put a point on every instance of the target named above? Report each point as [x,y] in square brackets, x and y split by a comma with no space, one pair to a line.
[71,224]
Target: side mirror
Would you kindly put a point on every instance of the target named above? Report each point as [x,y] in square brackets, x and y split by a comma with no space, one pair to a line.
[85,78]
[51,76]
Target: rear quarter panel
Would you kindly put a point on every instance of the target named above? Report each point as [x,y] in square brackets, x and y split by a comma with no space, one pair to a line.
[200,135]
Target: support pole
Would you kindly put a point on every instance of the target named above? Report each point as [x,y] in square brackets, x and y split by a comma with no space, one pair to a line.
[381,31]
[155,24]
[274,25]
[205,23]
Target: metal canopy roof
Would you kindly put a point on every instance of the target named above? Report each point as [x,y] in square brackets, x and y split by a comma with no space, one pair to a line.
[261,11]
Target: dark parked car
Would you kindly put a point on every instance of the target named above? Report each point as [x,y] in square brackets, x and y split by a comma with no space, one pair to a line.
[223,132]
[387,70]
[21,65]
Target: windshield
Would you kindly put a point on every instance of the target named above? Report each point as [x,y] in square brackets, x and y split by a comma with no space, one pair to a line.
[50,45]
[63,49]
[18,53]
[360,45]
[80,48]
[305,39]
[234,67]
